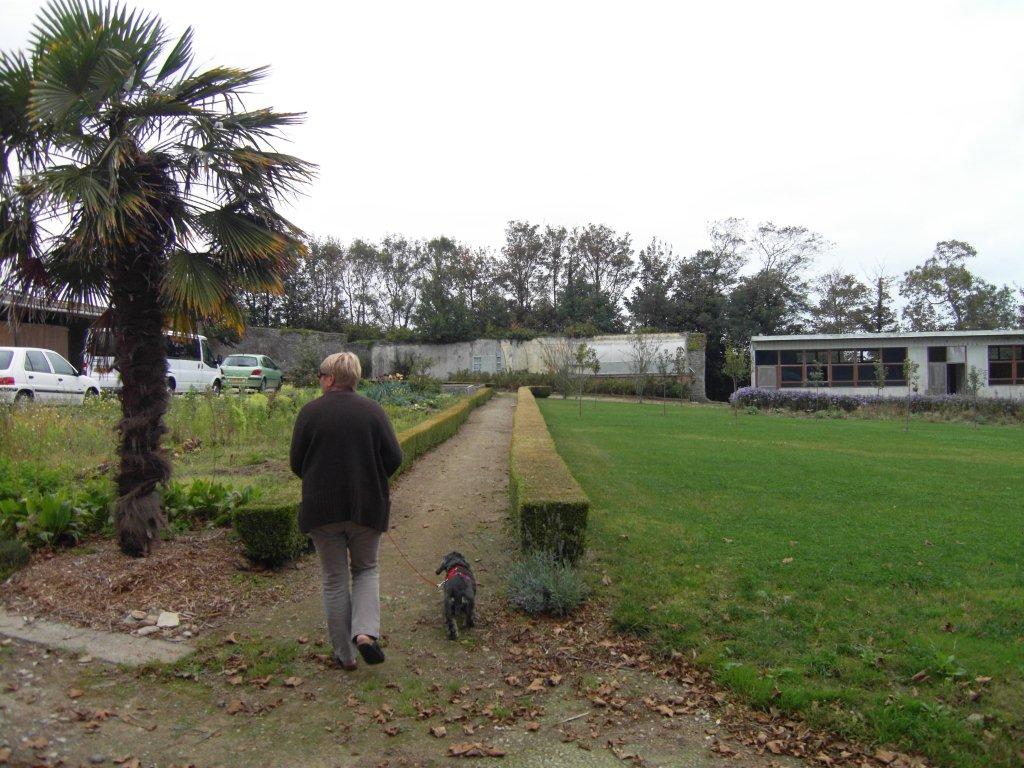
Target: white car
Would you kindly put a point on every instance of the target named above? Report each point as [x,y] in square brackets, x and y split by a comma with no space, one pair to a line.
[190,364]
[29,373]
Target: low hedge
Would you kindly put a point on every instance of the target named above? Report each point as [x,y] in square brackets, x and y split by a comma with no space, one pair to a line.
[420,438]
[550,506]
[540,390]
[13,555]
[270,534]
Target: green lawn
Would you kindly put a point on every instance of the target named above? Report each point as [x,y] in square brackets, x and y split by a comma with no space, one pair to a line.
[819,565]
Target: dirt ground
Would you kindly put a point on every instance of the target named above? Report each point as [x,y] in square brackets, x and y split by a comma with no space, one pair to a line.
[261,690]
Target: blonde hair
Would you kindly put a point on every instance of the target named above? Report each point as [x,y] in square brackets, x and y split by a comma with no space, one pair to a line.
[344,367]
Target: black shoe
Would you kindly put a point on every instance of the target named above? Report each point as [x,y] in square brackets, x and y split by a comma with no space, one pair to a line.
[371,652]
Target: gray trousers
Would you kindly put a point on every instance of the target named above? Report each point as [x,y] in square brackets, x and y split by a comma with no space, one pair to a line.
[346,548]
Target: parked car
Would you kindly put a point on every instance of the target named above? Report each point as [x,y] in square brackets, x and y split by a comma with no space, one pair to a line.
[29,373]
[249,371]
[190,363]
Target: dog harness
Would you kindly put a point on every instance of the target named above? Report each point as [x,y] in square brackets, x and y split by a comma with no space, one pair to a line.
[455,571]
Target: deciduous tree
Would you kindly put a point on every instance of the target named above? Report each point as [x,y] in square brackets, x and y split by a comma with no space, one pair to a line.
[943,294]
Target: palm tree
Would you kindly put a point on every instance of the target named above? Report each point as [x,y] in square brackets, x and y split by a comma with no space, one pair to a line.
[129,176]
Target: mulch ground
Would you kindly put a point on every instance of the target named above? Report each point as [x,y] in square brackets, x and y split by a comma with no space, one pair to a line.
[201,575]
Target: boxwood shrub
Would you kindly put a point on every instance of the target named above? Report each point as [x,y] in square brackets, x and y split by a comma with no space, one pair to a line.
[541,390]
[13,555]
[420,438]
[548,503]
[270,534]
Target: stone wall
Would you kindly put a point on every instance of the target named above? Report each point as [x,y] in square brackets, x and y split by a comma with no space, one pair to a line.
[497,355]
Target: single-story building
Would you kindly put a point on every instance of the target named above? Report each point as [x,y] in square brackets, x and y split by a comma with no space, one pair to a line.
[948,362]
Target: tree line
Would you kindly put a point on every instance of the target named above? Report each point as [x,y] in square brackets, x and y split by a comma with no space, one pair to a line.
[746,280]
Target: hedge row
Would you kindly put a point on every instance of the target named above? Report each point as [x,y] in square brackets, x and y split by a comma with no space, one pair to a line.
[419,439]
[622,386]
[550,505]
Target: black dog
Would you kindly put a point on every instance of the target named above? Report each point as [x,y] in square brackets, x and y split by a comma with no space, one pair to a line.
[459,589]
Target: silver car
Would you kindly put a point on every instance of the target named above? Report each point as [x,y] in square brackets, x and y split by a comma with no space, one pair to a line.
[30,373]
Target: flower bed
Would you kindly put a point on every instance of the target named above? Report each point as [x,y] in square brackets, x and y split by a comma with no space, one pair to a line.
[812,401]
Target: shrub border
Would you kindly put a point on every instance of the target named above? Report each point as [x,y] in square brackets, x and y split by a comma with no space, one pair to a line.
[550,506]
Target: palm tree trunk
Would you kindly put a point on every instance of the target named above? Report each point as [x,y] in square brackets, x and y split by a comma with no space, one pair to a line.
[142,361]
[136,275]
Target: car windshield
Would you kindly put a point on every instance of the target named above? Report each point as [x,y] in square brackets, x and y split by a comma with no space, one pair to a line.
[6,355]
[241,361]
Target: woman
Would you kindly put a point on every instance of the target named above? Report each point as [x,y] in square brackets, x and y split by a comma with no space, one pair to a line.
[345,449]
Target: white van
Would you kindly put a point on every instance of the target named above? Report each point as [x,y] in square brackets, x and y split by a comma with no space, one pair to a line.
[190,364]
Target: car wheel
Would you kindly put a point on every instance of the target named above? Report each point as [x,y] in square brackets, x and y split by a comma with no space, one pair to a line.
[91,393]
[170,385]
[215,387]
[262,386]
[23,397]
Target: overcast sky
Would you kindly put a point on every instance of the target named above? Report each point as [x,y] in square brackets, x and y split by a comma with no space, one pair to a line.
[886,126]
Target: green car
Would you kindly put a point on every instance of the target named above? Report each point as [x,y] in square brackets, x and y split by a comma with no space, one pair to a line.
[257,372]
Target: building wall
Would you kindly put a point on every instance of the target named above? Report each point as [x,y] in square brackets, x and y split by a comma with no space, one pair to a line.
[975,349]
[495,355]
[53,337]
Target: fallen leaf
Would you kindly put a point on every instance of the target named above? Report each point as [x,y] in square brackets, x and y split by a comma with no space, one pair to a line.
[606,580]
[531,725]
[555,680]
[885,756]
[236,680]
[293,682]
[74,693]
[786,560]
[920,677]
[302,640]
[666,710]
[983,680]
[231,639]
[475,749]
[37,743]
[438,731]
[234,707]
[536,686]
[352,701]
[5,755]
[391,730]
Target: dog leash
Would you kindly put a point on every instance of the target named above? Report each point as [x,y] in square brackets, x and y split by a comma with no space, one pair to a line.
[409,563]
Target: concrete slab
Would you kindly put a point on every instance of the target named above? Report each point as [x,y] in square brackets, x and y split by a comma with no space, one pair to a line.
[113,647]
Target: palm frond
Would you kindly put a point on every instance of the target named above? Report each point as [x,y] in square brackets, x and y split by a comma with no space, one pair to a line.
[179,57]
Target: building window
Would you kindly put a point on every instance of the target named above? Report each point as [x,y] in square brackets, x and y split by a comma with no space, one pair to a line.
[1006,364]
[477,364]
[835,367]
[499,362]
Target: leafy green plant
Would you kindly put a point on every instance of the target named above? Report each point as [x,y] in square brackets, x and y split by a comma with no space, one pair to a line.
[539,583]
[203,502]
[50,520]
